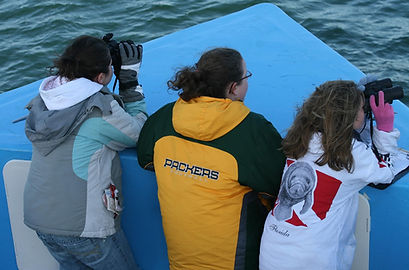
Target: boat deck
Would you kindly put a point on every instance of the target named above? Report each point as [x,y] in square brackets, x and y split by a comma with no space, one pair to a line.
[287,63]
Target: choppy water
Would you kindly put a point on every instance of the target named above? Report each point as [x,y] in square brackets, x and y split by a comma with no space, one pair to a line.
[371,34]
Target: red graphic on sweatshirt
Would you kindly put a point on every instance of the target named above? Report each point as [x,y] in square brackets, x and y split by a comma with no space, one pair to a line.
[289,162]
[324,193]
[295,220]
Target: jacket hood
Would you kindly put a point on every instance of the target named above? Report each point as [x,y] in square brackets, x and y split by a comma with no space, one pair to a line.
[315,145]
[58,93]
[47,128]
[207,118]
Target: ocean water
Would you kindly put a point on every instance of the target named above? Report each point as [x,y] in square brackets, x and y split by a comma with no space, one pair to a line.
[372,35]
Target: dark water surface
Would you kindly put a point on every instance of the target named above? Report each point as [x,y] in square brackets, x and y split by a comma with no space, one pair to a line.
[372,35]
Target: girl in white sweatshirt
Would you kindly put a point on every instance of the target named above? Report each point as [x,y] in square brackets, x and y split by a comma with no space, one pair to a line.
[312,223]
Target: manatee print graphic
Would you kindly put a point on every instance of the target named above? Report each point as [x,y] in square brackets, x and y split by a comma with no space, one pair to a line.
[297,185]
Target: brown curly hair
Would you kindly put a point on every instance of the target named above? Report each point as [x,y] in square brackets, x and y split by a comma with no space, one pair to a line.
[331,111]
[85,57]
[211,75]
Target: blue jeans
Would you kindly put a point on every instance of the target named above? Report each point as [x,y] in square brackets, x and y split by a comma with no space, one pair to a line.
[72,253]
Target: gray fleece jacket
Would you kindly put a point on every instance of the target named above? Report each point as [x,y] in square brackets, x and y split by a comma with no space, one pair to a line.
[76,129]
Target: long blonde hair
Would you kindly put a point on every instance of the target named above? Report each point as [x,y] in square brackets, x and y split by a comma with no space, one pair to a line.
[331,111]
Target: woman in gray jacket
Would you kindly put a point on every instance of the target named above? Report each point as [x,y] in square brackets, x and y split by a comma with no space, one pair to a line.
[72,198]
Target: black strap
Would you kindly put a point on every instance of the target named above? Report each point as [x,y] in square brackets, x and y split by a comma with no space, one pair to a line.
[379,157]
[128,85]
[374,148]
[113,88]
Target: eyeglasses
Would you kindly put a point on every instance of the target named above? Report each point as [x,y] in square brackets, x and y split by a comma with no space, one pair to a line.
[248,75]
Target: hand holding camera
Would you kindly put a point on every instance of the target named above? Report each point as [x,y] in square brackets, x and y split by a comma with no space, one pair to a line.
[383,113]
[379,95]
[131,55]
[126,60]
[131,59]
[373,87]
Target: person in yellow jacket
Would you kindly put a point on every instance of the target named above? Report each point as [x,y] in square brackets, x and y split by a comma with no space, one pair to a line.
[212,158]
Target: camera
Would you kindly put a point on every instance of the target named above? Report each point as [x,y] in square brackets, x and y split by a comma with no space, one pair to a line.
[390,92]
[113,46]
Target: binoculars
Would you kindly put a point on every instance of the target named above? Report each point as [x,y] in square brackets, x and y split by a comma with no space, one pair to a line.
[390,92]
[113,46]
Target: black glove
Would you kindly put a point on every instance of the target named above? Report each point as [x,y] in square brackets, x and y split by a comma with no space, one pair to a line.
[131,57]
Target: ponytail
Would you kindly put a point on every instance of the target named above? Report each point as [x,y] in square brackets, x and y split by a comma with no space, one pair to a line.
[215,70]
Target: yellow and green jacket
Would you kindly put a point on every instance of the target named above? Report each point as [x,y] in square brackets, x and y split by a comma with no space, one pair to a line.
[212,157]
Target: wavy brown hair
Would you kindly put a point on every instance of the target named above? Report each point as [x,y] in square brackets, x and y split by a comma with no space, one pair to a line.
[331,111]
[214,71]
[85,57]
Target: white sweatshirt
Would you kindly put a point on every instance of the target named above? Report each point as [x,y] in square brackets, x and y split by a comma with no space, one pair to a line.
[313,221]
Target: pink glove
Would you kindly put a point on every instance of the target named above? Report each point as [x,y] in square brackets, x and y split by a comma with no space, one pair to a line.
[384,114]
